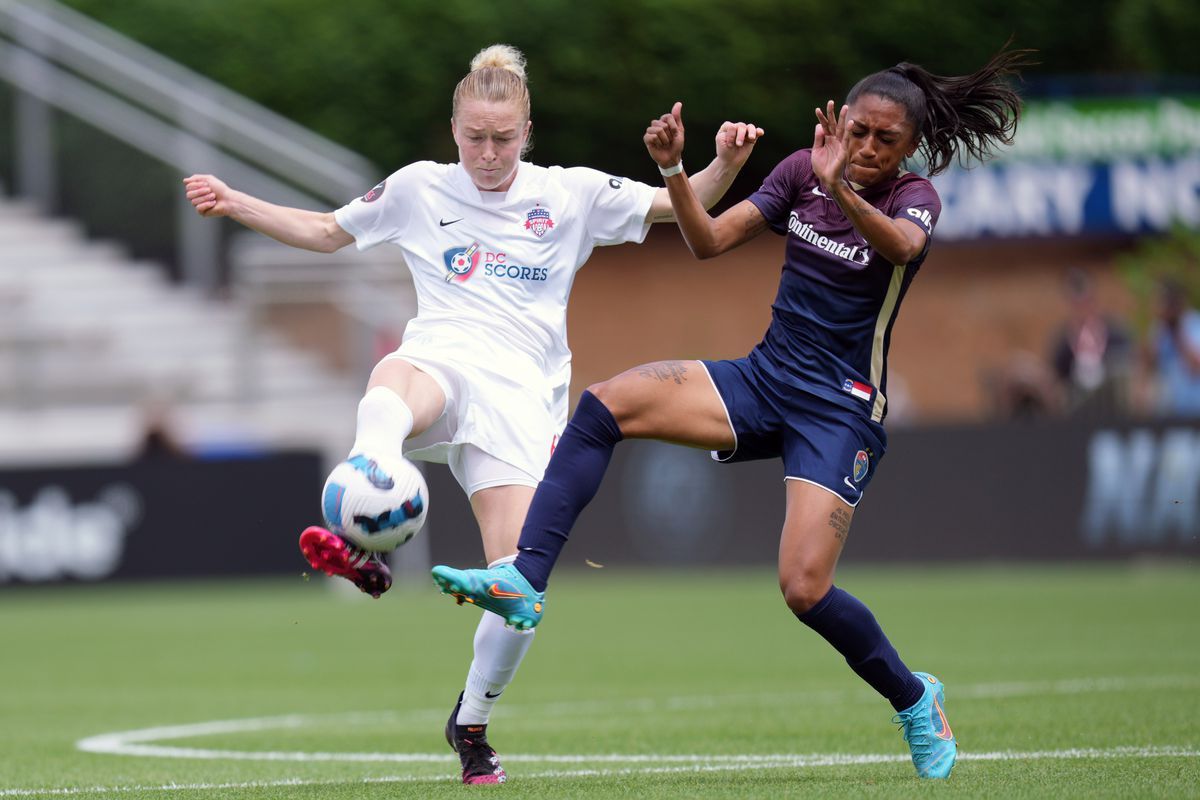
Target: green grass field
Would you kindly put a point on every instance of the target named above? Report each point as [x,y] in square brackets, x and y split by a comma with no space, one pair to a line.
[1061,682]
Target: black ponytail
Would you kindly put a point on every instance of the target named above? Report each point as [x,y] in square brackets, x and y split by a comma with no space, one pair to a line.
[952,115]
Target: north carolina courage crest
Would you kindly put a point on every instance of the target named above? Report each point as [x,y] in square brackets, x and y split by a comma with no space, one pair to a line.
[538,220]
[862,463]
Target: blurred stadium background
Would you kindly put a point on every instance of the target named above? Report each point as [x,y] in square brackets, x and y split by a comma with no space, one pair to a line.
[173,390]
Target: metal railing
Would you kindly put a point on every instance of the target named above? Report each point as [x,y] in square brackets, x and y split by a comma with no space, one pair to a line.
[61,72]
[59,59]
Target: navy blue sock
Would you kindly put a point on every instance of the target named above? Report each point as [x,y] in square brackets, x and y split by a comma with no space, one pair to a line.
[851,628]
[572,479]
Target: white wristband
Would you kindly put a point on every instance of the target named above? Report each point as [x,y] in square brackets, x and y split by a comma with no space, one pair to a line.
[669,171]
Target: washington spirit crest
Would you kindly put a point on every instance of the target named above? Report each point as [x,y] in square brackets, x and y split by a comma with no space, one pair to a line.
[538,220]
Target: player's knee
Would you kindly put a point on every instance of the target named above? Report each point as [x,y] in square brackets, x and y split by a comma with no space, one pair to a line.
[802,589]
[609,393]
[394,373]
[604,391]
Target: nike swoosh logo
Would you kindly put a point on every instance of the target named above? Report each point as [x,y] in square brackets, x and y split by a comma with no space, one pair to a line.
[491,696]
[495,591]
[817,191]
[444,223]
[846,481]
[945,734]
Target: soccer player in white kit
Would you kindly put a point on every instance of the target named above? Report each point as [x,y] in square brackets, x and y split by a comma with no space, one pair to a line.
[481,379]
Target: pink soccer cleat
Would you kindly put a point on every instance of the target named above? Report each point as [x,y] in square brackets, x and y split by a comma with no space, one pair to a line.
[333,555]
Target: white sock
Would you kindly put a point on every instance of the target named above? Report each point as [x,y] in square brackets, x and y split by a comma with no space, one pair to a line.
[384,422]
[498,652]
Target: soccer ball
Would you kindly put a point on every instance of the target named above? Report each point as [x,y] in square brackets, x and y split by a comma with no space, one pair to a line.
[376,504]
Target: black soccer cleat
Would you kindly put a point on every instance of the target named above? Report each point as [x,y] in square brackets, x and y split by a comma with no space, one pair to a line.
[480,764]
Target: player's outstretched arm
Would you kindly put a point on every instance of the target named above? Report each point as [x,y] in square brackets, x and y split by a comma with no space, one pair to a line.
[707,237]
[310,230]
[735,141]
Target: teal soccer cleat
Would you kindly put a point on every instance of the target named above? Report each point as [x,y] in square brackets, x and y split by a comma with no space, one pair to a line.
[502,590]
[927,732]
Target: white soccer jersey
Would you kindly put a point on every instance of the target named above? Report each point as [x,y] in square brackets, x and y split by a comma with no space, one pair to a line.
[493,270]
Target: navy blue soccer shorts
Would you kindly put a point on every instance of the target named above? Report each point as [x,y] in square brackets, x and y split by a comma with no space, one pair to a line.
[819,441]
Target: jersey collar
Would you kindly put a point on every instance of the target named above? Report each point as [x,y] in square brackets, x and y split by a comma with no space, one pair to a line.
[467,186]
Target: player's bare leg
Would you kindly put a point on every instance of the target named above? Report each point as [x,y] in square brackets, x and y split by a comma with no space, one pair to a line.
[420,392]
[815,530]
[500,512]
[400,401]
[671,401]
[674,401]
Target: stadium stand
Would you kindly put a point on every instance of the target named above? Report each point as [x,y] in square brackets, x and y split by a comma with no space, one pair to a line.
[256,346]
[86,335]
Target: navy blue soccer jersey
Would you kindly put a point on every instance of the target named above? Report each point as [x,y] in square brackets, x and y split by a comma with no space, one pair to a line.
[831,322]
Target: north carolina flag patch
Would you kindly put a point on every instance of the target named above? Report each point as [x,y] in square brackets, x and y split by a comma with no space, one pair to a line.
[860,390]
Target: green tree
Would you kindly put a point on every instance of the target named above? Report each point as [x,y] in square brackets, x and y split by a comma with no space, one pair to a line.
[377,75]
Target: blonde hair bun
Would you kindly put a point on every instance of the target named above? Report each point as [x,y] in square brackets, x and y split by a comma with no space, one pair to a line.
[500,56]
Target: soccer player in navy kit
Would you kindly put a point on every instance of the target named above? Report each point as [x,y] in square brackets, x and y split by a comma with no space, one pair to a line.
[814,391]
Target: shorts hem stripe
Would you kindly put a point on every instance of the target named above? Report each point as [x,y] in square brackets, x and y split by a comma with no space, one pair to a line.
[716,453]
[826,488]
[512,481]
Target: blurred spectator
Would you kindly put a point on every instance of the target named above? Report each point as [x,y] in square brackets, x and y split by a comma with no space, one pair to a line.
[1023,387]
[159,441]
[900,407]
[1173,352]
[1090,354]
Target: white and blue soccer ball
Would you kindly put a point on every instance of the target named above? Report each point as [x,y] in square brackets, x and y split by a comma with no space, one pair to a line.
[376,504]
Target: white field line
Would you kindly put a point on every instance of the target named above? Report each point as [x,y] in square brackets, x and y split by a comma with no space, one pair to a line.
[730,764]
[1078,686]
[855,693]
[143,742]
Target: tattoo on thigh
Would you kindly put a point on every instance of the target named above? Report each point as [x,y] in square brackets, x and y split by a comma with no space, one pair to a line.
[839,520]
[665,371]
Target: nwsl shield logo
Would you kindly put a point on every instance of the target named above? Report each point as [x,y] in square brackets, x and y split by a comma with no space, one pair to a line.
[538,220]
[376,193]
